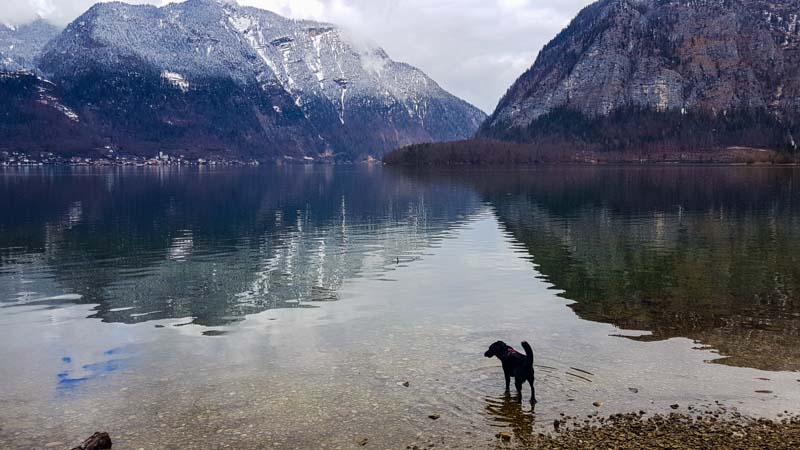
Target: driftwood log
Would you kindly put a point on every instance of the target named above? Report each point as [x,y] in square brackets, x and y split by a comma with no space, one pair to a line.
[98,441]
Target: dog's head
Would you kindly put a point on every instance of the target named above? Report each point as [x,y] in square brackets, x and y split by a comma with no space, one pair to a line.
[496,349]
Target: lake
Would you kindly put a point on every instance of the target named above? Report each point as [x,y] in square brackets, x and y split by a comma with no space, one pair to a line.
[288,307]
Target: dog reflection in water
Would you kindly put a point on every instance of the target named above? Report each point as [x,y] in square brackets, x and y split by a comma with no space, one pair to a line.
[516,365]
[507,412]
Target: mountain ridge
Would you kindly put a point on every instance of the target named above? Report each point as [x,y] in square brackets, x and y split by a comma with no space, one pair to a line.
[21,45]
[204,76]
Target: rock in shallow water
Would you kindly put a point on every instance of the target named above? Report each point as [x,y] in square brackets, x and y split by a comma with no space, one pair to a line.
[98,441]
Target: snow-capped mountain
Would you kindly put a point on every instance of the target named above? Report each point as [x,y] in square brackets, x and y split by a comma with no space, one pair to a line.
[207,75]
[20,46]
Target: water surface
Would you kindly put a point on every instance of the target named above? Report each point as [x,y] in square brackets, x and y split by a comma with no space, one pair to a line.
[285,307]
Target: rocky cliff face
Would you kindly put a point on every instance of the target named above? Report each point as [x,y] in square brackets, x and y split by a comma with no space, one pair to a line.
[20,46]
[708,57]
[211,76]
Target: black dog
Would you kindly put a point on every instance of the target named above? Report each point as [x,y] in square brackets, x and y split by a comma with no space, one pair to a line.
[515,365]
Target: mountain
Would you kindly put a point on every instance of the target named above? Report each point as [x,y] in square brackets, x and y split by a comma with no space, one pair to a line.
[29,99]
[664,75]
[211,77]
[20,46]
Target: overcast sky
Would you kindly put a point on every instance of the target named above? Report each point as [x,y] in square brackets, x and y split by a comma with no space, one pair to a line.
[473,48]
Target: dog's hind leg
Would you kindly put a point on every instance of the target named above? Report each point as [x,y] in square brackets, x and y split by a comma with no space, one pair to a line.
[518,384]
[533,391]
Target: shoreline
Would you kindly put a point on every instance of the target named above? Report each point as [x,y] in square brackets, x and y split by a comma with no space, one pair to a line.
[688,429]
[592,164]
[453,166]
[711,429]
[437,155]
[483,152]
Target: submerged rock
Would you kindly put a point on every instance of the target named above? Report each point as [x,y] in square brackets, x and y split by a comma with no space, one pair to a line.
[98,441]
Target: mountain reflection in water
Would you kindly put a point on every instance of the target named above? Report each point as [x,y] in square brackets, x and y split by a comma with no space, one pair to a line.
[708,253]
[712,254]
[210,246]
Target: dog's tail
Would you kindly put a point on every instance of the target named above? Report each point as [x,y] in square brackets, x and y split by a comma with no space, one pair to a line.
[528,353]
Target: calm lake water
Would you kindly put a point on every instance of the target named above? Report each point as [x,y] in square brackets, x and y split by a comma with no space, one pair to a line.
[285,307]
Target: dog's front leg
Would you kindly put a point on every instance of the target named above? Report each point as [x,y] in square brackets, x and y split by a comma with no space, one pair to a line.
[508,381]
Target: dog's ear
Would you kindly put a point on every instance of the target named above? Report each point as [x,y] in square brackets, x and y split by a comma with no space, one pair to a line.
[495,349]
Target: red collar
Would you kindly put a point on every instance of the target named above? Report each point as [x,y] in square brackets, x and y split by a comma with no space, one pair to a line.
[512,352]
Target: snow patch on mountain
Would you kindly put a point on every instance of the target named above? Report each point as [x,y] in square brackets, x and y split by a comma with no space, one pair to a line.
[44,90]
[176,80]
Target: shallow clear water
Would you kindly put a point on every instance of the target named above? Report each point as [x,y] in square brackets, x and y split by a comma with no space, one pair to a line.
[285,307]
